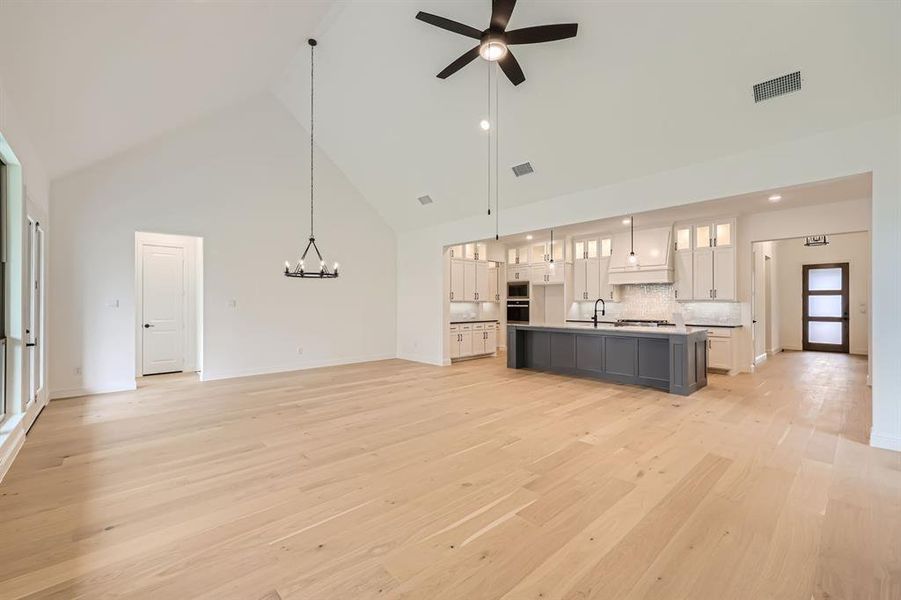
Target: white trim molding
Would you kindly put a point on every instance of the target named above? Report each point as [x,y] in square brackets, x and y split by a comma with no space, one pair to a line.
[316,364]
[886,442]
[109,388]
[12,436]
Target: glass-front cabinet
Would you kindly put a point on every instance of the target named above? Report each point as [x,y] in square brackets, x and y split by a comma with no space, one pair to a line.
[705,263]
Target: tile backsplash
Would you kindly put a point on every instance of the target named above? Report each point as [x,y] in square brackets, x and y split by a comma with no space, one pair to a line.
[658,301]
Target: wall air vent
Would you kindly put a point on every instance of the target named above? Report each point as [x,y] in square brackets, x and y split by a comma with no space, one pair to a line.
[777,87]
[523,169]
[425,199]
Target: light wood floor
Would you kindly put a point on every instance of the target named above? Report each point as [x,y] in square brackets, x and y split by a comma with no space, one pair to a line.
[399,480]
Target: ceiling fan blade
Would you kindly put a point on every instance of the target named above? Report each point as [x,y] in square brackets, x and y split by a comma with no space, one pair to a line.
[500,13]
[459,63]
[449,25]
[542,33]
[511,68]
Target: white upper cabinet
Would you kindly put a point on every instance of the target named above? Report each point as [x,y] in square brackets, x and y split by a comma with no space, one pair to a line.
[518,256]
[683,286]
[542,252]
[711,272]
[724,273]
[469,281]
[476,251]
[683,239]
[457,293]
[472,281]
[483,273]
[591,264]
[493,282]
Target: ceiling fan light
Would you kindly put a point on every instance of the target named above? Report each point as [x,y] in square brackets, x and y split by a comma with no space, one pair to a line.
[632,258]
[493,50]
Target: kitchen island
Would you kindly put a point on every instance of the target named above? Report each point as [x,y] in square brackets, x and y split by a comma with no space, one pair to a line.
[662,358]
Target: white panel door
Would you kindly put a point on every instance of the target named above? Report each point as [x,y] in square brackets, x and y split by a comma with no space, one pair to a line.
[684,285]
[724,273]
[703,275]
[163,327]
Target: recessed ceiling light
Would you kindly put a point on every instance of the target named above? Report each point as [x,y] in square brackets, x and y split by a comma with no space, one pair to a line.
[529,237]
[775,198]
[626,221]
[485,124]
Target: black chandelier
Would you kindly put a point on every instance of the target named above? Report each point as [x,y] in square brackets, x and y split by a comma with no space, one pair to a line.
[320,271]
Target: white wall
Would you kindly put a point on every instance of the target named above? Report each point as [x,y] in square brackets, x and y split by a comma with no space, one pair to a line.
[239,180]
[871,147]
[853,248]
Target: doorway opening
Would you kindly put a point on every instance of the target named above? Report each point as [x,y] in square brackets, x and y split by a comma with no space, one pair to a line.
[812,298]
[168,304]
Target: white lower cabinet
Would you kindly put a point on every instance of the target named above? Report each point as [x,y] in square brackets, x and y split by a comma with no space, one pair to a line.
[720,348]
[477,339]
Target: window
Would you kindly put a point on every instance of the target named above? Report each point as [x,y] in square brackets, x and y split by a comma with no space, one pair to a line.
[3,207]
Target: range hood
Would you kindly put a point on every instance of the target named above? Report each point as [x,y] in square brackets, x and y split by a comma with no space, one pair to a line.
[654,249]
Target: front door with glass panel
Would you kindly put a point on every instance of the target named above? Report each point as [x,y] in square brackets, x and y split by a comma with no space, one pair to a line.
[825,307]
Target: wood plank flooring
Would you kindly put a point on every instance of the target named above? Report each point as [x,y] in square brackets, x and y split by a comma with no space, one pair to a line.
[400,480]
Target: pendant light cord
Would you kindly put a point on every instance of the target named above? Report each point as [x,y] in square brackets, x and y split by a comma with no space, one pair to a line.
[490,127]
[312,122]
[632,234]
[497,157]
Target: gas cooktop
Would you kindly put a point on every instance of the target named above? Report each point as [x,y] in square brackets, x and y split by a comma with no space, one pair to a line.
[642,323]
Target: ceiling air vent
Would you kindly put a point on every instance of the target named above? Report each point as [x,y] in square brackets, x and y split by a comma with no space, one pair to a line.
[425,199]
[777,87]
[523,169]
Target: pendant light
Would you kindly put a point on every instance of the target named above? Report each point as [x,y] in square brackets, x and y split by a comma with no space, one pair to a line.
[633,260]
[320,271]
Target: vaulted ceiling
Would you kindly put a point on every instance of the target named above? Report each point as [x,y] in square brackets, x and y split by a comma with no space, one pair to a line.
[646,86]
[95,78]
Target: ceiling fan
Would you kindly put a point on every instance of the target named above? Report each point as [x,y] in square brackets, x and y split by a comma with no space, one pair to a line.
[494,41]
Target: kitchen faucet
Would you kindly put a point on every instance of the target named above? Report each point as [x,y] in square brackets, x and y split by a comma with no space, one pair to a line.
[603,311]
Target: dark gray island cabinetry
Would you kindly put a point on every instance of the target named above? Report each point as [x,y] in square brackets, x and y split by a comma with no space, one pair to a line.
[663,358]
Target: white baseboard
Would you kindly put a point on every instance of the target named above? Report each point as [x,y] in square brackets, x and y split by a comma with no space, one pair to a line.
[886,442]
[424,358]
[774,351]
[10,443]
[760,358]
[124,386]
[212,375]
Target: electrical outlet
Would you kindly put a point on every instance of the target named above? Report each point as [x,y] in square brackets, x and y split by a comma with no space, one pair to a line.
[78,370]
[233,303]
[300,349]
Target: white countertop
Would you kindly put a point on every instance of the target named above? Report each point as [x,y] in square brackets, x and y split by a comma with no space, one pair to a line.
[626,329]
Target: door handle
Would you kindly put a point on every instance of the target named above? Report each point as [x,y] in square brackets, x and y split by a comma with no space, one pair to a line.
[147,325]
[30,344]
